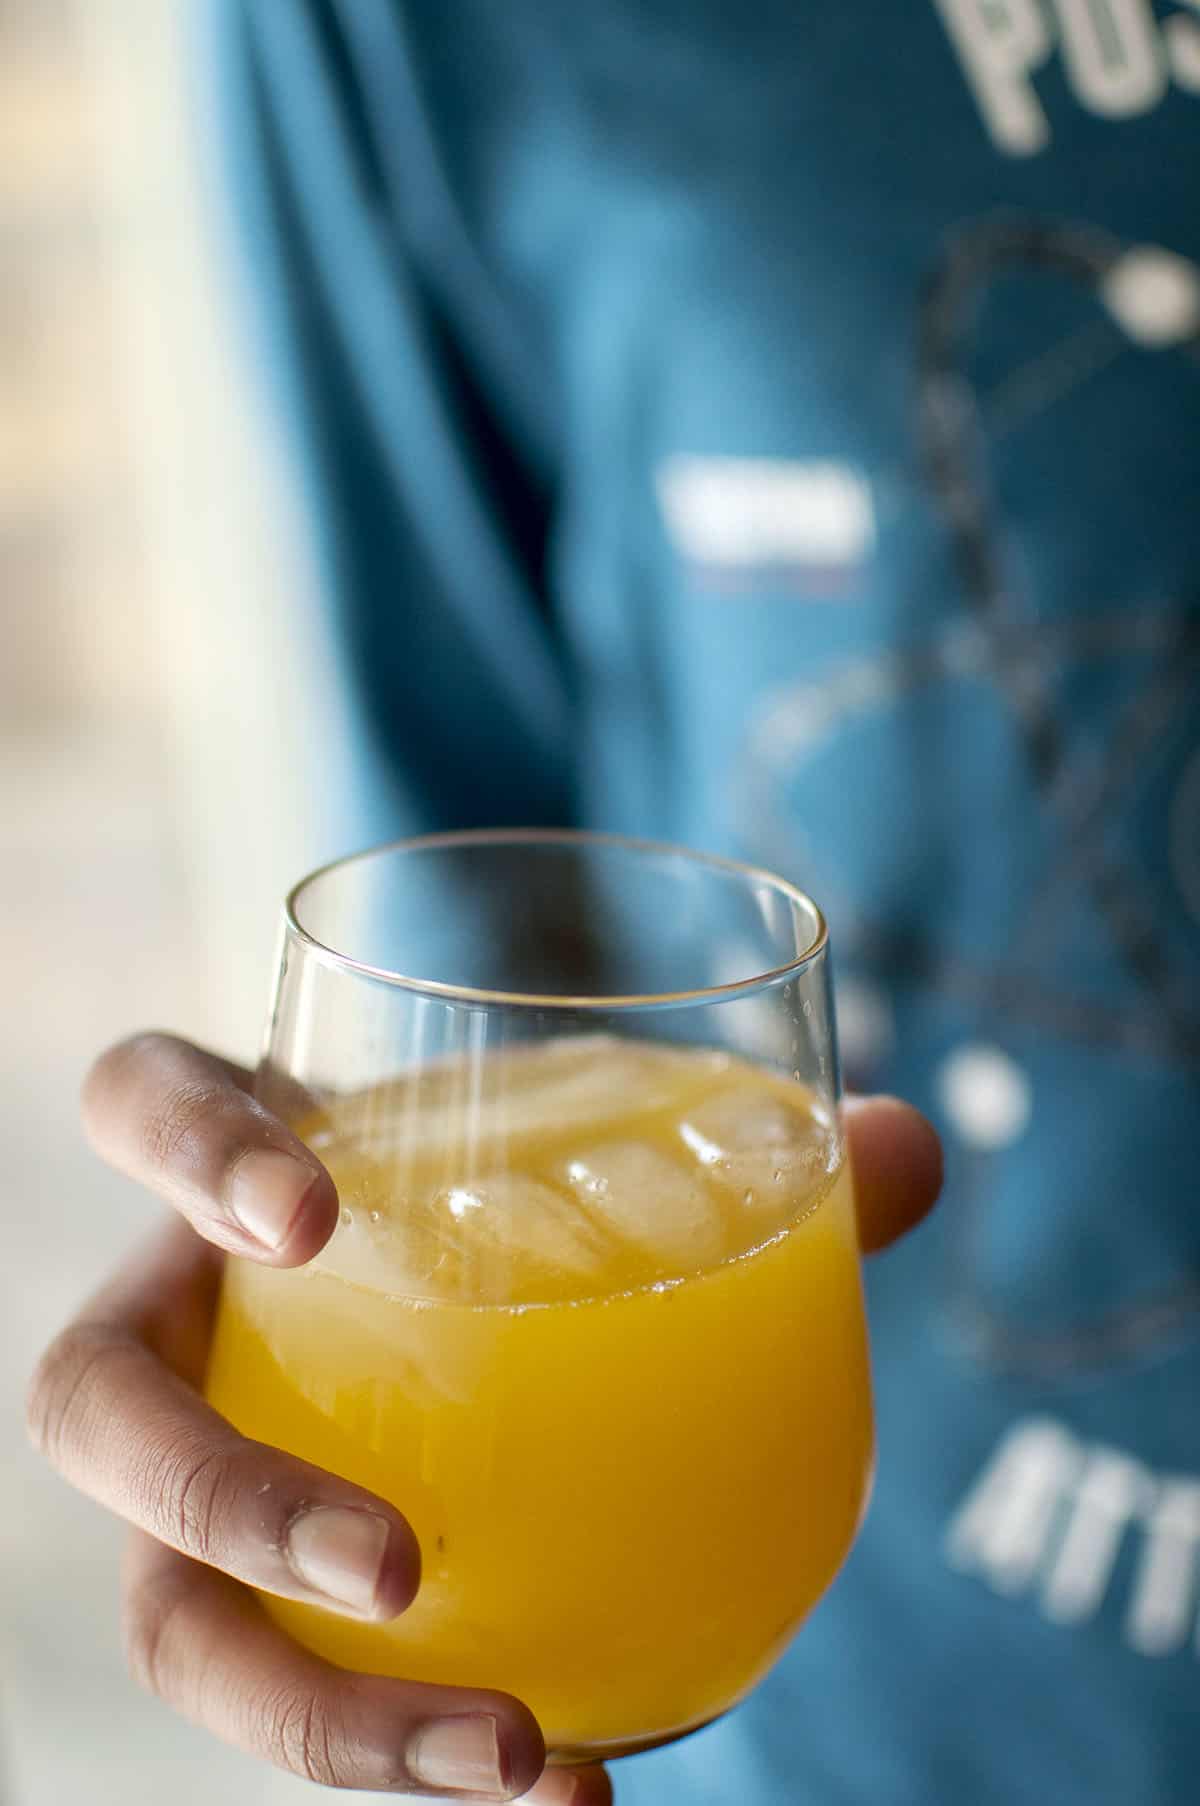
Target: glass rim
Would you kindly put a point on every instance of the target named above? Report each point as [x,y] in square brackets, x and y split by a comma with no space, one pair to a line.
[566,837]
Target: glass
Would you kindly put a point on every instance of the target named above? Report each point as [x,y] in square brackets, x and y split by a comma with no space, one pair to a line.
[593,1315]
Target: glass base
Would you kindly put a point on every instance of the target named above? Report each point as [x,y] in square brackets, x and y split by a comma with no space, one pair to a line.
[578,1755]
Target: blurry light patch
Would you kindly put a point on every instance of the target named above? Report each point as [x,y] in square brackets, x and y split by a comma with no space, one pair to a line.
[986,1096]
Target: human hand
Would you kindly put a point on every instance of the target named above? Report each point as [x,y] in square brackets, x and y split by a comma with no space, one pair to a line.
[115,1405]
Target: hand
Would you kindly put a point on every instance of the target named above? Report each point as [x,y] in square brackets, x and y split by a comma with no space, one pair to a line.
[115,1405]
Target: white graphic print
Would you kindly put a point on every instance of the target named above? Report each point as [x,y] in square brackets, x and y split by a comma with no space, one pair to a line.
[1001,42]
[1181,35]
[732,516]
[1117,57]
[1112,55]
[1050,1515]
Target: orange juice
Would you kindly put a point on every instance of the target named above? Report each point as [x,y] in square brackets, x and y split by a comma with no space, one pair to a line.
[593,1322]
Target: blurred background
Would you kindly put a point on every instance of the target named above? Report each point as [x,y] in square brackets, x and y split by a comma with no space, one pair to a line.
[151,817]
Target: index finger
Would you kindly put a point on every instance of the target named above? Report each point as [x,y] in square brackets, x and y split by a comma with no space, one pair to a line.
[182,1123]
[113,1406]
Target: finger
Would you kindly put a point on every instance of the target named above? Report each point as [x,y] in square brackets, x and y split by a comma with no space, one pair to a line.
[571,1787]
[205,1646]
[125,1429]
[897,1163]
[181,1122]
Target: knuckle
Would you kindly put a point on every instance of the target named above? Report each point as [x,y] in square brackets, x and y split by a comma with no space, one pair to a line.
[58,1402]
[302,1737]
[177,1118]
[191,1496]
[151,1609]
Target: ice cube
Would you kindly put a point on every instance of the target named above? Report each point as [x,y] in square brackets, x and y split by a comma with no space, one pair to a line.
[509,1233]
[643,1204]
[504,1238]
[758,1144]
[474,1113]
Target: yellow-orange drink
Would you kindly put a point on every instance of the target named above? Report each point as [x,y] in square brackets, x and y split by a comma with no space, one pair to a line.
[593,1322]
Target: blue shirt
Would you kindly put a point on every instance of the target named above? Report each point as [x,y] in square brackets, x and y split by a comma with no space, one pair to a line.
[776,427]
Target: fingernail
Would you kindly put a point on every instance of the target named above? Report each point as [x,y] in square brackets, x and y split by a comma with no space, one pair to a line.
[266,1194]
[459,1753]
[339,1552]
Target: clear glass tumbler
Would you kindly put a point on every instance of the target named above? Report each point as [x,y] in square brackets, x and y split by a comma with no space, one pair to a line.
[593,1315]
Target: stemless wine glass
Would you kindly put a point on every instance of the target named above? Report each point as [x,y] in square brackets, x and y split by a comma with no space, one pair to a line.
[592,1318]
